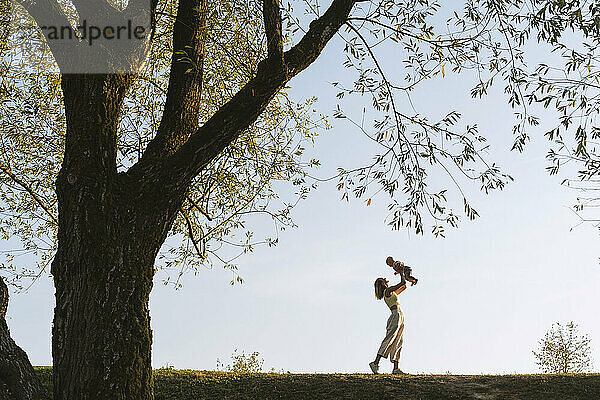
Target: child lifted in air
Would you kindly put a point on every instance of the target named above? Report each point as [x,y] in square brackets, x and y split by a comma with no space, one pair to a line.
[400,268]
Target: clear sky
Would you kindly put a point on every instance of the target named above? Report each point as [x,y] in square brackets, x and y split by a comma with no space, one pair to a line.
[486,293]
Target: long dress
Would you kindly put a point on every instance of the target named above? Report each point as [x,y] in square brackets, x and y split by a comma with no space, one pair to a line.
[391,345]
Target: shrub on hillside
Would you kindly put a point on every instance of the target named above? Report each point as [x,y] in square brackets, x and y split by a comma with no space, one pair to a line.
[563,350]
[242,363]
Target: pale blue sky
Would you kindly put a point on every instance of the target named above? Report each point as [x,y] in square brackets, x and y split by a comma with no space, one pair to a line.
[486,295]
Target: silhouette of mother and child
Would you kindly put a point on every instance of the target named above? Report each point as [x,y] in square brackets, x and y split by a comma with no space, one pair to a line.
[391,345]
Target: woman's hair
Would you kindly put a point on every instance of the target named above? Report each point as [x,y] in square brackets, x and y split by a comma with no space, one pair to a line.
[379,288]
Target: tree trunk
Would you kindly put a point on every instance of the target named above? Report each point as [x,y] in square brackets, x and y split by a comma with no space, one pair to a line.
[101,336]
[18,380]
[103,269]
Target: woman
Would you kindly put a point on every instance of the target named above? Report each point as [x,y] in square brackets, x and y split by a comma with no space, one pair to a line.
[392,342]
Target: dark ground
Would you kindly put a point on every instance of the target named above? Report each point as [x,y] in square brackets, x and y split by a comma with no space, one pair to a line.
[192,385]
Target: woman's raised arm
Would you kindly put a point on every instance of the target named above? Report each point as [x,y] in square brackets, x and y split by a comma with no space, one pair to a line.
[398,288]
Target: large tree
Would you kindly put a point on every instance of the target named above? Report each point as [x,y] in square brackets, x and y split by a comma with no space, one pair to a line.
[17,377]
[183,134]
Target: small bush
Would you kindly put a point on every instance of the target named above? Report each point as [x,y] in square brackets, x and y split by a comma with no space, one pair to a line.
[242,363]
[563,350]
[167,367]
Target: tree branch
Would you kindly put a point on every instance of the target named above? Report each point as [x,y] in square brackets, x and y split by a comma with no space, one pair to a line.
[48,13]
[29,190]
[197,207]
[137,7]
[191,234]
[244,108]
[91,10]
[182,106]
[18,379]
[272,18]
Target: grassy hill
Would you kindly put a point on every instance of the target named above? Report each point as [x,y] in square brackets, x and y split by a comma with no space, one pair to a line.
[192,385]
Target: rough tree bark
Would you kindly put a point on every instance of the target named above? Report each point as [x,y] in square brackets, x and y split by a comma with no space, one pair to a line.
[111,225]
[103,268]
[18,380]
